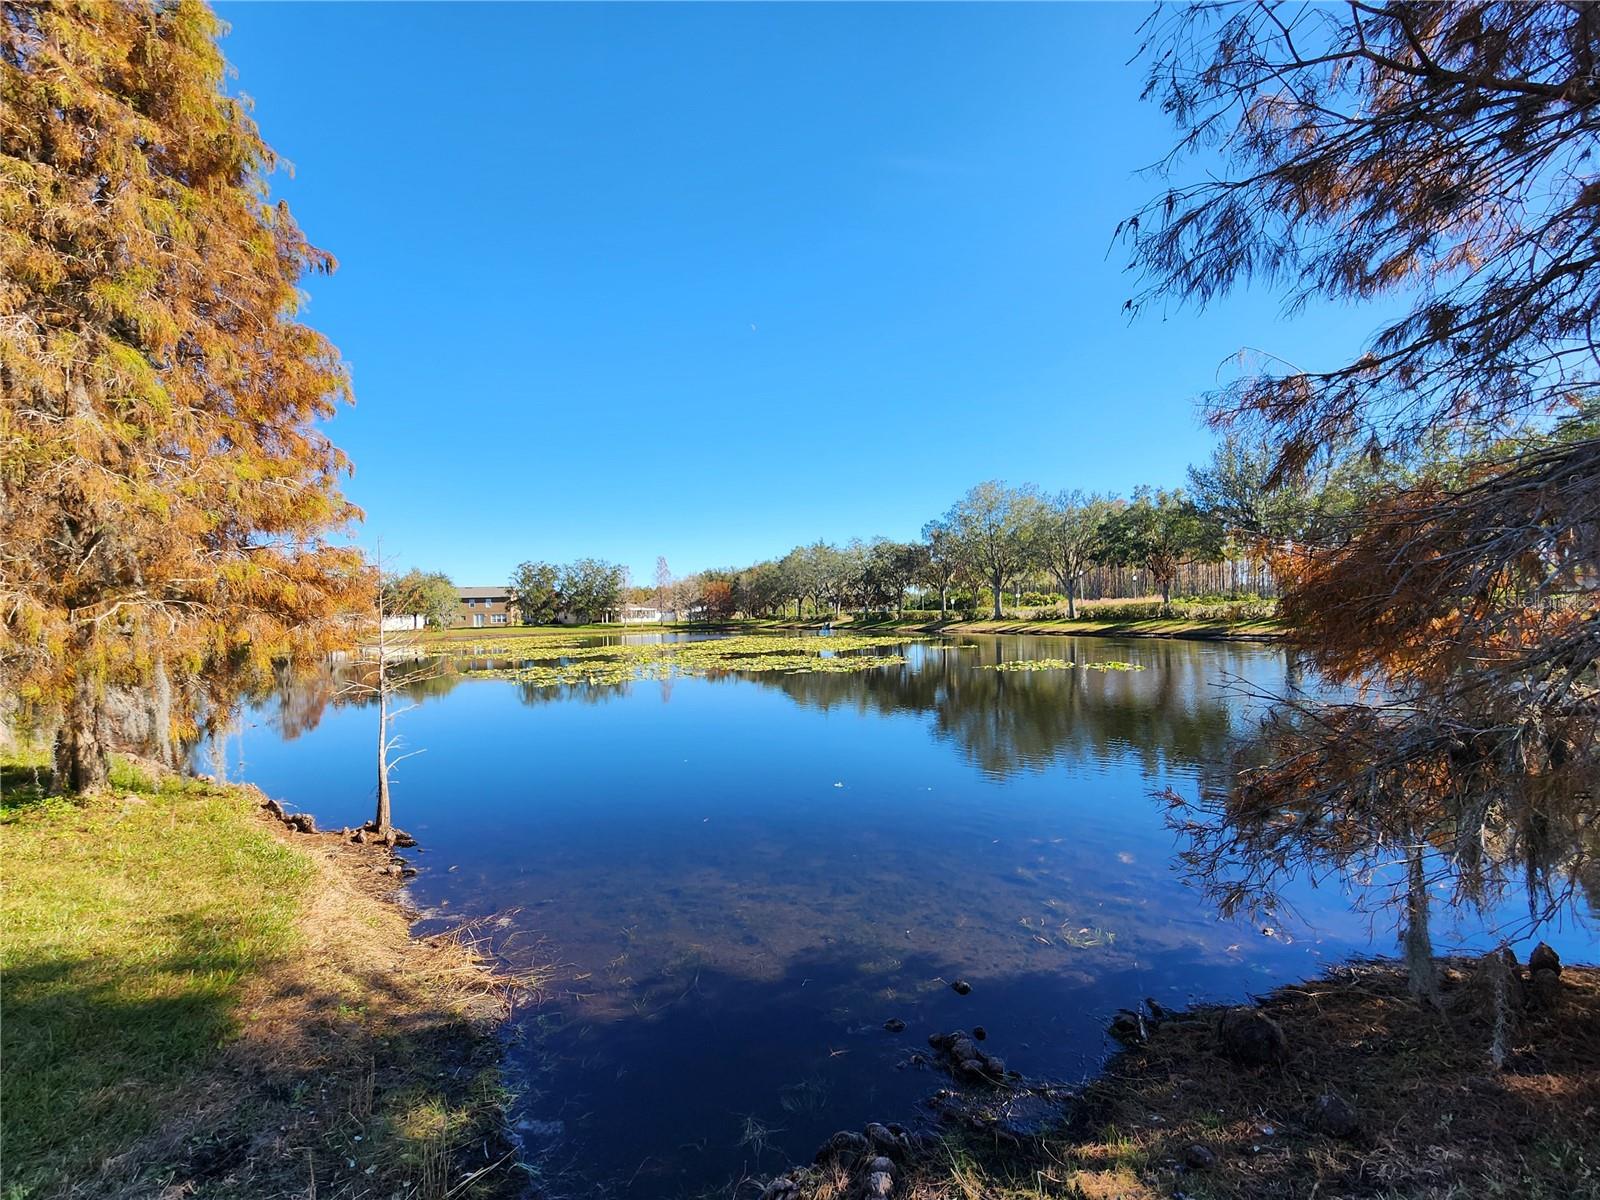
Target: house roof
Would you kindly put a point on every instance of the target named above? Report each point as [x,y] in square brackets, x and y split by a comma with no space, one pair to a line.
[482,593]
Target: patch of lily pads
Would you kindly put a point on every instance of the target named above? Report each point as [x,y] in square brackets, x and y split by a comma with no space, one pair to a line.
[1059,664]
[554,664]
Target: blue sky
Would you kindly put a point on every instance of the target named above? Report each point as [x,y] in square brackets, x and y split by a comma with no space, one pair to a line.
[710,280]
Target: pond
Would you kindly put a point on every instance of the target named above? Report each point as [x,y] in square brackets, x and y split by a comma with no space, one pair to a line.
[739,877]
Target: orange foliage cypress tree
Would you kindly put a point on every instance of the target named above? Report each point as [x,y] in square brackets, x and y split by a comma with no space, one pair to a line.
[1441,155]
[167,496]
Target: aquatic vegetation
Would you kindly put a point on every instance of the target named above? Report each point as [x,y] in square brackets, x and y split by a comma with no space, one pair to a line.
[808,1097]
[555,664]
[1086,937]
[1058,664]
[756,1135]
[1030,664]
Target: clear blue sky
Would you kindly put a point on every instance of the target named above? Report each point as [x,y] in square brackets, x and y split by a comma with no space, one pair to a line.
[711,280]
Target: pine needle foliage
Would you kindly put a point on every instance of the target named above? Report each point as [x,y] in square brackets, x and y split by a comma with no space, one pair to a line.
[167,495]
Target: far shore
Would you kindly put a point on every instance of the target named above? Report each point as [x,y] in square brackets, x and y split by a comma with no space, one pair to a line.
[1157,627]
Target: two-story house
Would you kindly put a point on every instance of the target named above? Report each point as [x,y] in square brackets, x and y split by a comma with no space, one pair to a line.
[483,606]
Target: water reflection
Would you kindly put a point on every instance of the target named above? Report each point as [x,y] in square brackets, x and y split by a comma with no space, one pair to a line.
[742,877]
[1170,711]
[1173,710]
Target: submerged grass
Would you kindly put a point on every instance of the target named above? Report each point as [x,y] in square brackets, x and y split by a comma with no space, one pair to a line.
[197,1000]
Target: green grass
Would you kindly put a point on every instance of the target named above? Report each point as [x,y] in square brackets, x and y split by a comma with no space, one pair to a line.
[132,923]
[195,1004]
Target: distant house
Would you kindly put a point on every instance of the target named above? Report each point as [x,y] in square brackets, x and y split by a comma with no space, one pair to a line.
[481,606]
[637,614]
[406,621]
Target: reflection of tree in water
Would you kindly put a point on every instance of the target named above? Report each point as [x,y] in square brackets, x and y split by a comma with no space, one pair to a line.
[1504,879]
[583,692]
[301,696]
[1170,713]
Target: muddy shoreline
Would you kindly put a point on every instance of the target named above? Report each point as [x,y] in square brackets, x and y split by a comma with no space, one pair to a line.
[1342,1086]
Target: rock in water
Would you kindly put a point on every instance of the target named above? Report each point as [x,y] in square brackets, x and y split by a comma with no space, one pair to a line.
[881,1166]
[1333,1115]
[1128,1027]
[1544,958]
[979,1032]
[895,1025]
[1249,1037]
[961,987]
[963,1048]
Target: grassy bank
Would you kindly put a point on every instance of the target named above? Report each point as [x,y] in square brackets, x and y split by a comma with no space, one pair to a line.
[199,1001]
[1158,627]
[1428,1118]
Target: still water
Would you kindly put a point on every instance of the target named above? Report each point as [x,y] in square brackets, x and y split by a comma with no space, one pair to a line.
[738,880]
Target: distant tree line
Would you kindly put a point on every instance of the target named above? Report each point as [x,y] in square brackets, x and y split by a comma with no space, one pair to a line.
[1019,542]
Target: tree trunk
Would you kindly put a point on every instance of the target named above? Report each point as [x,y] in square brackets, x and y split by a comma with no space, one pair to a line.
[998,588]
[382,819]
[218,752]
[81,763]
[944,599]
[1422,973]
[1072,608]
[161,714]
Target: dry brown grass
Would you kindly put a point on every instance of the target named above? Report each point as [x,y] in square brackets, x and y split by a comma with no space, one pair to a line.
[366,1063]
[1436,1119]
